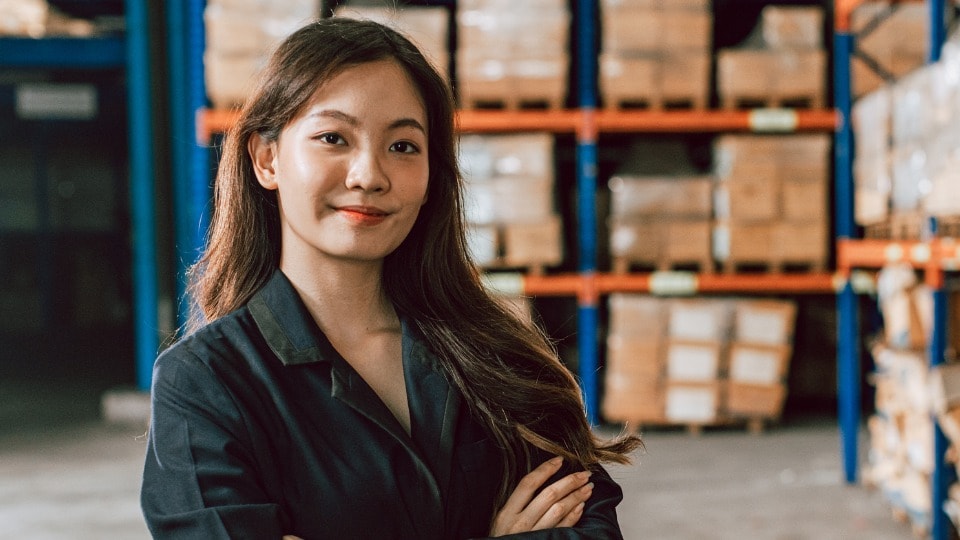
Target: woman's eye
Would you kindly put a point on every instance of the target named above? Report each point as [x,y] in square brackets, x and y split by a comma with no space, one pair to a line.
[332,138]
[404,147]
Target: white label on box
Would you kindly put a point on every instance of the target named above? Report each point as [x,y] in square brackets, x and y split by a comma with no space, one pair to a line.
[757,366]
[689,404]
[696,321]
[762,327]
[36,101]
[689,362]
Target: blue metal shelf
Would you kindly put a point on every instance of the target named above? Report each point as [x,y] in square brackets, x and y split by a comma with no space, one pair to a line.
[848,349]
[64,53]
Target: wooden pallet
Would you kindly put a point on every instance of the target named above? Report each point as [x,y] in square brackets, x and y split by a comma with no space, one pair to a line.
[625,265]
[753,426]
[733,266]
[654,102]
[739,102]
[514,103]
[899,226]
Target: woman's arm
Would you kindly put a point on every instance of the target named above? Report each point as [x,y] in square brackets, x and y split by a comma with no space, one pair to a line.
[567,508]
[200,479]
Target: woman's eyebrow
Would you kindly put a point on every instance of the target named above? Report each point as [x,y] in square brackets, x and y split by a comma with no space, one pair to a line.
[354,121]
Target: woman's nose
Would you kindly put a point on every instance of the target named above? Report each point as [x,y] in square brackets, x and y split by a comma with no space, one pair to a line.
[367,173]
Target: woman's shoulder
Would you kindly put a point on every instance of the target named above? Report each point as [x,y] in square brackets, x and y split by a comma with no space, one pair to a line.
[227,339]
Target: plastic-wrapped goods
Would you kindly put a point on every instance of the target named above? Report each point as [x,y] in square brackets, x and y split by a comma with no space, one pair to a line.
[873,184]
[23,18]
[771,76]
[914,108]
[944,198]
[504,200]
[639,316]
[766,322]
[911,180]
[792,27]
[871,117]
[699,320]
[427,27]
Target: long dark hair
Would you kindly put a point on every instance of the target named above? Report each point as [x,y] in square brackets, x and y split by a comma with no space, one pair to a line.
[506,369]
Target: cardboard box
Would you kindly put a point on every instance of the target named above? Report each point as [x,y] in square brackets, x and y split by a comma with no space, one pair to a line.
[639,357]
[893,43]
[801,242]
[533,244]
[693,361]
[511,81]
[629,400]
[771,76]
[804,200]
[753,400]
[792,27]
[509,200]
[638,316]
[654,30]
[661,242]
[744,242]
[748,199]
[690,403]
[230,77]
[759,364]
[521,28]
[483,244]
[655,196]
[656,80]
[768,322]
[705,320]
[427,27]
[527,155]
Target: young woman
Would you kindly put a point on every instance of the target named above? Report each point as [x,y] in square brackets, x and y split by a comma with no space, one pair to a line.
[351,378]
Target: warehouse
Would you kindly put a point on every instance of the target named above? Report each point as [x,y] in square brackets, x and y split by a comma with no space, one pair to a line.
[735,219]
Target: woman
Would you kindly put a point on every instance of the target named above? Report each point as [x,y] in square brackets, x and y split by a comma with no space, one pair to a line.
[353,379]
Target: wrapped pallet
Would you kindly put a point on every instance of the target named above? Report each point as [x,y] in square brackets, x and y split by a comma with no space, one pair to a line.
[655,53]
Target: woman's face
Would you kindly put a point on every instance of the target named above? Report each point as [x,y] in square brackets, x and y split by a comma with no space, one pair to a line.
[351,170]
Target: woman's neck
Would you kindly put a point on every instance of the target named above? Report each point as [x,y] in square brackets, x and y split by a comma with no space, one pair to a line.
[345,298]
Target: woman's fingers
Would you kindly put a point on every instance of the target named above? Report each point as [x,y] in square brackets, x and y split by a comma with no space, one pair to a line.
[556,508]
[573,517]
[529,485]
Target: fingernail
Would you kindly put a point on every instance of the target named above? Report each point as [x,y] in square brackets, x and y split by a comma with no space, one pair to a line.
[583,475]
[579,508]
[556,461]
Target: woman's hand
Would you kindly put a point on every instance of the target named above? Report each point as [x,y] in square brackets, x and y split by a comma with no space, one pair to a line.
[559,505]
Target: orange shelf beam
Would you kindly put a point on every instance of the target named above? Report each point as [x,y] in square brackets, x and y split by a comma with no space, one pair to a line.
[878,253]
[495,121]
[691,121]
[680,282]
[553,285]
[210,121]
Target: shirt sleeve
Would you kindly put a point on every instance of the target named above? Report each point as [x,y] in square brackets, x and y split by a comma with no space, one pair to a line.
[200,478]
[599,520]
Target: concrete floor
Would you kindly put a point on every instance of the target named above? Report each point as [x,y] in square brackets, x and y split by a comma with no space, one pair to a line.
[67,474]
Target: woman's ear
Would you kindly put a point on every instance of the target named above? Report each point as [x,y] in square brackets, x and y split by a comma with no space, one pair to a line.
[263,154]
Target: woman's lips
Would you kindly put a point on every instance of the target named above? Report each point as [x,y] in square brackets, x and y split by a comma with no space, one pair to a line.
[363,215]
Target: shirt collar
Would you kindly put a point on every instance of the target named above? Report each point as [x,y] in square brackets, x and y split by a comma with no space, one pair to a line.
[286,325]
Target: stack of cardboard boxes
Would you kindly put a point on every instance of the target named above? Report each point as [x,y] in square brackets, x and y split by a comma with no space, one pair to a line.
[783,63]
[427,27]
[895,41]
[681,362]
[512,54]
[240,34]
[661,222]
[655,52]
[901,457]
[509,200]
[771,201]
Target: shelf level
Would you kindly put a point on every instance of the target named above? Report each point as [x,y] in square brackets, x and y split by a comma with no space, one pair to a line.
[211,121]
[663,283]
[63,53]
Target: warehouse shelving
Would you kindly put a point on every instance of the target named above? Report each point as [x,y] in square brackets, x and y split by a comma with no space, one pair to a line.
[586,121]
[128,52]
[934,258]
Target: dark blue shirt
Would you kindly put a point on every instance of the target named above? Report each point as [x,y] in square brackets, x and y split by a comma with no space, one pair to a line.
[260,428]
